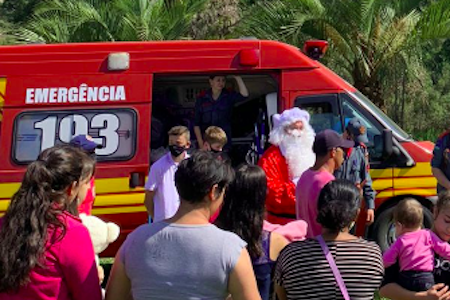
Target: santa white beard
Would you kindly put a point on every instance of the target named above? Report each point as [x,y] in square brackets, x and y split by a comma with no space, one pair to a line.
[296,148]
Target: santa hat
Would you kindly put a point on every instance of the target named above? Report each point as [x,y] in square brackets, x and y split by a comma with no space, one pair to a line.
[289,116]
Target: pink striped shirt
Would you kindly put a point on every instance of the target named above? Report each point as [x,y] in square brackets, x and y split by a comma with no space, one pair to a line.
[70,271]
[415,251]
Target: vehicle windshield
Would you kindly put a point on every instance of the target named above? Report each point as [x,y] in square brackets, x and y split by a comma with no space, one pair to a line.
[381,116]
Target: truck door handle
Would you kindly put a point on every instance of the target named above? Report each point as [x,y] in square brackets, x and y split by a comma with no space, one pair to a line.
[137,179]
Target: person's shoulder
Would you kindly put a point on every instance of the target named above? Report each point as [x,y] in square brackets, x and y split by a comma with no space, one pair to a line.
[203,96]
[278,240]
[272,150]
[444,136]
[369,246]
[271,153]
[299,250]
[161,162]
[72,222]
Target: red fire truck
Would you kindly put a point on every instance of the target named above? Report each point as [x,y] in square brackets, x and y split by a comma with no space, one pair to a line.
[127,95]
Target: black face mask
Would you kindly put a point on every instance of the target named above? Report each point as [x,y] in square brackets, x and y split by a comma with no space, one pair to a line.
[216,151]
[176,150]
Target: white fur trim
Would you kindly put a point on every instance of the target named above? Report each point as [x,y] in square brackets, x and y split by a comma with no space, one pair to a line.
[290,116]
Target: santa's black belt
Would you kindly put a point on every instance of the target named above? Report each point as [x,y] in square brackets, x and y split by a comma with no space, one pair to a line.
[286,216]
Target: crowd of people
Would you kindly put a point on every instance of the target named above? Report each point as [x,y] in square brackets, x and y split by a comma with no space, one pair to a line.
[284,227]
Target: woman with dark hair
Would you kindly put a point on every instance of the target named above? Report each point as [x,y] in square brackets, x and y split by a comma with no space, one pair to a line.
[186,257]
[45,251]
[243,214]
[336,264]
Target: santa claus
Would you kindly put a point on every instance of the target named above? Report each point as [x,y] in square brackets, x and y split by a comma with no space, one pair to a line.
[284,162]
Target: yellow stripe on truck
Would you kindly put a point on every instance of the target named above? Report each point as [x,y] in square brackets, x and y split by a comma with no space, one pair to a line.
[421,169]
[102,186]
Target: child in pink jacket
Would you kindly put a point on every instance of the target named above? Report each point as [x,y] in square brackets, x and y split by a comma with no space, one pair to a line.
[414,248]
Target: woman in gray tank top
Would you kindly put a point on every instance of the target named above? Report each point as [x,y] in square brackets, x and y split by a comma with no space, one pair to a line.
[186,257]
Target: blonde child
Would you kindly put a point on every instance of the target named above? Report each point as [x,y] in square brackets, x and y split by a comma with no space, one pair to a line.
[414,248]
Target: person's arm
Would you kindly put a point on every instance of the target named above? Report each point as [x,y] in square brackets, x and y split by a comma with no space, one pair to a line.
[242,87]
[277,187]
[242,282]
[277,243]
[441,178]
[149,204]
[368,191]
[199,136]
[390,255]
[281,292]
[80,271]
[437,161]
[198,121]
[119,285]
[395,292]
[150,189]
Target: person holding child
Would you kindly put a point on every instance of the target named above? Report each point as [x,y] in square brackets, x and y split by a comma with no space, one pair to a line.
[45,251]
[414,248]
[335,264]
[441,227]
[161,196]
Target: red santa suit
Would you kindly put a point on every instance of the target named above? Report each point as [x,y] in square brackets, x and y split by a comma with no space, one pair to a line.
[280,201]
[289,156]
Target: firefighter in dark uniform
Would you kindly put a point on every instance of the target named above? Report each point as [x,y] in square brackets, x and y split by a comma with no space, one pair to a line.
[440,163]
[215,107]
[356,165]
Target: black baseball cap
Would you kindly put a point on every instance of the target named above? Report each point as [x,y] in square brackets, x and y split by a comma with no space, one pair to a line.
[329,139]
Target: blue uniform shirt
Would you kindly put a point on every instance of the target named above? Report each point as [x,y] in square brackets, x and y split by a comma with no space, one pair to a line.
[356,169]
[210,112]
[441,156]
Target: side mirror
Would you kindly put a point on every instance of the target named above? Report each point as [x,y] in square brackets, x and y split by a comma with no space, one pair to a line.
[388,140]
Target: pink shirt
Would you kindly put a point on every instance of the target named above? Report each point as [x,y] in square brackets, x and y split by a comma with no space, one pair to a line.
[292,231]
[414,251]
[306,194]
[70,271]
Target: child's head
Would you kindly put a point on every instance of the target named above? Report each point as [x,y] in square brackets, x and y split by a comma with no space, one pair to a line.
[215,138]
[179,140]
[442,216]
[408,215]
[51,185]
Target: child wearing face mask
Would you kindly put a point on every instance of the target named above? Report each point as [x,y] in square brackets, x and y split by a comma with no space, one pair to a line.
[161,196]
[215,139]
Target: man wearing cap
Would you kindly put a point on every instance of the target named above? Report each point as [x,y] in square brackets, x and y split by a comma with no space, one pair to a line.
[284,162]
[356,165]
[86,143]
[329,148]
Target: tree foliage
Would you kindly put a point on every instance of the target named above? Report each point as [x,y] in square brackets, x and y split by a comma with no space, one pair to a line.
[395,52]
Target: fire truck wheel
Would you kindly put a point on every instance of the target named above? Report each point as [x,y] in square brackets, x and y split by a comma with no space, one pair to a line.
[384,229]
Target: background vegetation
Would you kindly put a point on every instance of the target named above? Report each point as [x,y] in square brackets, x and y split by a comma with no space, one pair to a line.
[395,52]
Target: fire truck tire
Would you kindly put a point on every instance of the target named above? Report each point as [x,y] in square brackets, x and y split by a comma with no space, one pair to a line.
[384,229]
